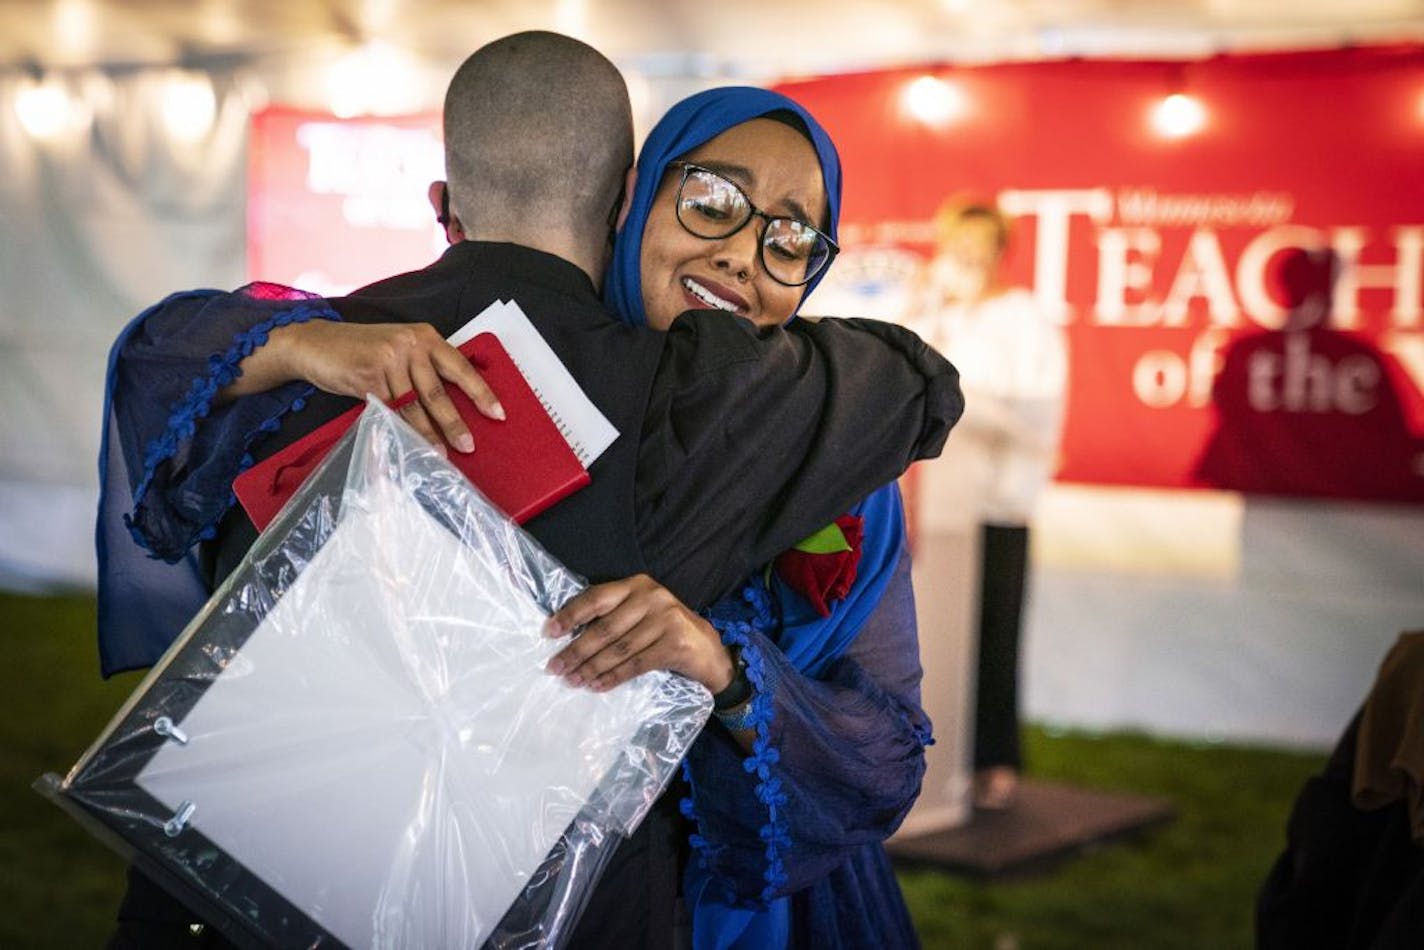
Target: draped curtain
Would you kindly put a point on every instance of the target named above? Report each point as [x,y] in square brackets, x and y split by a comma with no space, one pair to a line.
[96,221]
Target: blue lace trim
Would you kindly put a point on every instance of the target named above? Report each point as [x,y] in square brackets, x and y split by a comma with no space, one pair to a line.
[197,403]
[269,425]
[763,757]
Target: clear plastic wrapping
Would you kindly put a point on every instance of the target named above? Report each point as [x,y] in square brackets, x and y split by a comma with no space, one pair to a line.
[355,743]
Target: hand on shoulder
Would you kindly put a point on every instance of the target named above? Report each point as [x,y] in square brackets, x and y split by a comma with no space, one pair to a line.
[387,360]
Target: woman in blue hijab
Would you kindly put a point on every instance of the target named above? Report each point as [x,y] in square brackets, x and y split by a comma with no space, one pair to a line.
[793,795]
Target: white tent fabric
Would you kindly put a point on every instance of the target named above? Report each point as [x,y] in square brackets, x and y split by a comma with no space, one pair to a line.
[95,224]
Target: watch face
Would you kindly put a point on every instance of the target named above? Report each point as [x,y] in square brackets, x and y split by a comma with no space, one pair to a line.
[739,689]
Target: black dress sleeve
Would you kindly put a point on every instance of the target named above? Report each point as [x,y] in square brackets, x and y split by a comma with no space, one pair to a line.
[754,438]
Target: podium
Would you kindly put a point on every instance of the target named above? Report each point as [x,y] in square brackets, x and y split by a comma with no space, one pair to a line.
[946,579]
[1049,821]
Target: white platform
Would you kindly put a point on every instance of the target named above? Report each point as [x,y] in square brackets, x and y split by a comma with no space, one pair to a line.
[1215,617]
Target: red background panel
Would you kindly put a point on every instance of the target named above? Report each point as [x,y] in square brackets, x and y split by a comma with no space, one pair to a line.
[1323,142]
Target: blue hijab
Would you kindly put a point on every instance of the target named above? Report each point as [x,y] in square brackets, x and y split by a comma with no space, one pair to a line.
[809,641]
[692,122]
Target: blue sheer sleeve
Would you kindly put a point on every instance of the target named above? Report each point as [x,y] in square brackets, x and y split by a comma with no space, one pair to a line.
[837,761]
[169,455]
[181,451]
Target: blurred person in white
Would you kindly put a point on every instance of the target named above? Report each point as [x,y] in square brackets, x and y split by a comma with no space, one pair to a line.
[1013,361]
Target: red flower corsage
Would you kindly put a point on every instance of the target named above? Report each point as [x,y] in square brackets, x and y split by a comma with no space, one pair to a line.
[822,567]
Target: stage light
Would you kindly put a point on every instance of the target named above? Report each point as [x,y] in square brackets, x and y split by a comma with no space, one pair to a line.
[933,101]
[571,17]
[1178,116]
[74,30]
[45,107]
[376,79]
[189,106]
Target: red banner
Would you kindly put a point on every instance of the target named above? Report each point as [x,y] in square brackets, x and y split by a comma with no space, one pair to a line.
[1240,279]
[337,203]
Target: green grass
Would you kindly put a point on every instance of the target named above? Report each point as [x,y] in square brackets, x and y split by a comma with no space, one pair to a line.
[1190,884]
[58,886]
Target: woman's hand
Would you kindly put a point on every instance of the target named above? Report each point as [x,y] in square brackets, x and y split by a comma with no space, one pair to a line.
[387,359]
[633,626]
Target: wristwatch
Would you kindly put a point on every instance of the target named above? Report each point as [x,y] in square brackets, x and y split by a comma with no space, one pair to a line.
[739,690]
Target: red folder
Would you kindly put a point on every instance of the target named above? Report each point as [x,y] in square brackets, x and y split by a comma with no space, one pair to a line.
[522,464]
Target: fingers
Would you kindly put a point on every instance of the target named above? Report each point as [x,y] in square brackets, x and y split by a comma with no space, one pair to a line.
[652,645]
[630,627]
[423,361]
[614,630]
[451,364]
[399,383]
[644,647]
[391,360]
[587,605]
[634,666]
[436,403]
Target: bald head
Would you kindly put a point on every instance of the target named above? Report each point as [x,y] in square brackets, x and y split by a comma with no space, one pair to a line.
[538,136]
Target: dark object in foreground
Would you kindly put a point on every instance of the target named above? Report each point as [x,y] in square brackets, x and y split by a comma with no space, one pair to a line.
[1352,874]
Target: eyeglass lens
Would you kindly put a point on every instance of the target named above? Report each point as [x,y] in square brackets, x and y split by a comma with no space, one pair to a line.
[712,207]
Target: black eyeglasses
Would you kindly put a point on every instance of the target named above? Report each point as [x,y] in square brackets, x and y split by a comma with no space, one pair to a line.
[712,207]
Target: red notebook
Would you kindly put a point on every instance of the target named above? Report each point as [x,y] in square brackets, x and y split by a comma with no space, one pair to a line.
[522,464]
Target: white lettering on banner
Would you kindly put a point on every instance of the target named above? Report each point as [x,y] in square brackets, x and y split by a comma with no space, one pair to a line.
[1125,259]
[1125,264]
[1129,252]
[1260,209]
[1404,277]
[1256,297]
[1297,380]
[1161,378]
[1408,351]
[1137,287]
[1202,274]
[1302,381]
[1054,209]
[381,171]
[1204,362]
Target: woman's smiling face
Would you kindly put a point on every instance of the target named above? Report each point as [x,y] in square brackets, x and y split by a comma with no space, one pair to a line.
[776,166]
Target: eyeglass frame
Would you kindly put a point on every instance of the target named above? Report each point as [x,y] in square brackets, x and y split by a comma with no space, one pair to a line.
[754,212]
